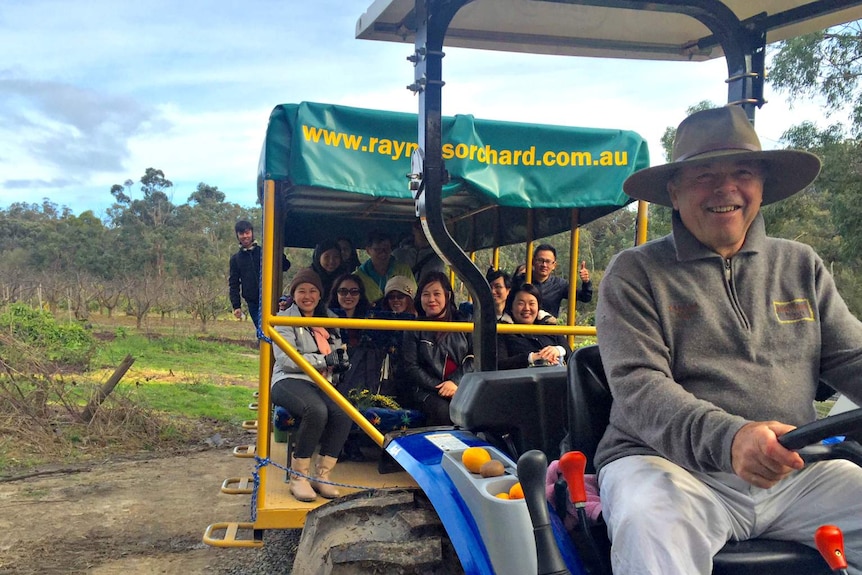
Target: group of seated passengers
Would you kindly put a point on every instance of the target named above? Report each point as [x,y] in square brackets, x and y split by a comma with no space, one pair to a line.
[422,369]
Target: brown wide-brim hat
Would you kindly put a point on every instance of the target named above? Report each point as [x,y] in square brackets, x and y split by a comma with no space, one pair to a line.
[724,134]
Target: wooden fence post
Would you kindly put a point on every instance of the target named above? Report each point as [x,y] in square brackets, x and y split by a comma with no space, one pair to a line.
[90,411]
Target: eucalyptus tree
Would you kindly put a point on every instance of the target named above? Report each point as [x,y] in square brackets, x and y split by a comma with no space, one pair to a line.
[827,64]
[144,225]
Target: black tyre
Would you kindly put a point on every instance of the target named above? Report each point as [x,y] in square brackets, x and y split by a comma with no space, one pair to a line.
[388,531]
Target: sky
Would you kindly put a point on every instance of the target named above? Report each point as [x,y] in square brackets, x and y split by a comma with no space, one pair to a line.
[94,93]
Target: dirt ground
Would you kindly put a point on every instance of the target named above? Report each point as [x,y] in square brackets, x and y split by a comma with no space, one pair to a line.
[131,517]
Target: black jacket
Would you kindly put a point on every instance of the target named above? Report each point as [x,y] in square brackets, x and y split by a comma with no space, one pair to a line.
[244,278]
[423,359]
[514,349]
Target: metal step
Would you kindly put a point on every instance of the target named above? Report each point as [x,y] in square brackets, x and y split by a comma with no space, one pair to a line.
[238,485]
[231,531]
[244,450]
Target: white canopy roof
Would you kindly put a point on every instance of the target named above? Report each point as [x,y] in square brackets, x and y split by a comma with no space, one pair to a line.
[615,29]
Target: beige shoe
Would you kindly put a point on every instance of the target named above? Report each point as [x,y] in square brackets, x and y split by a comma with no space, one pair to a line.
[299,486]
[323,466]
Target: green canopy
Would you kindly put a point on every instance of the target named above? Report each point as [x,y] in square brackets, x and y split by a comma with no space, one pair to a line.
[342,171]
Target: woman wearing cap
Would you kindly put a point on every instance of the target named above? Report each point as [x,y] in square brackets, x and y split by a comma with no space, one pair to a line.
[348,300]
[398,296]
[516,350]
[321,421]
[397,303]
[326,262]
[434,362]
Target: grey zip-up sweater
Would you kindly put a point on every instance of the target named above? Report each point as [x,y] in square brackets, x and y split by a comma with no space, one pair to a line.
[303,340]
[696,346]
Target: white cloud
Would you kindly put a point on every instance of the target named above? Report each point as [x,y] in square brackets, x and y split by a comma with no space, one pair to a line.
[94,93]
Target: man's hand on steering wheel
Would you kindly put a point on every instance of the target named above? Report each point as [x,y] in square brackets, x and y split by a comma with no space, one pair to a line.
[759,458]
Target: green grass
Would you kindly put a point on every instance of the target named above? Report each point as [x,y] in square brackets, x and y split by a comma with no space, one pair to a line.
[183,386]
[189,358]
[188,375]
[225,403]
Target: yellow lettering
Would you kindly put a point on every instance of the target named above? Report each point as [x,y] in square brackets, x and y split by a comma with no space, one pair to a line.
[581,159]
[385,147]
[331,138]
[352,141]
[487,155]
[311,133]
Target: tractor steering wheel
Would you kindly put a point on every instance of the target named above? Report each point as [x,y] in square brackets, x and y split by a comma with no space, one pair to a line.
[806,440]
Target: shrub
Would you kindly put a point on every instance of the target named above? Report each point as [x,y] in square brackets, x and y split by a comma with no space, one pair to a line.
[65,345]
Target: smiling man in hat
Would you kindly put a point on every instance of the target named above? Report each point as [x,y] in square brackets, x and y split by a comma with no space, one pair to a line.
[714,339]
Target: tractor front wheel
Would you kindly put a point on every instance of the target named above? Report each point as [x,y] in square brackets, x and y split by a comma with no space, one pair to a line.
[392,531]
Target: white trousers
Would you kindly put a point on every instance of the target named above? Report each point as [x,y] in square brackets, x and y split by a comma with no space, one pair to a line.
[664,520]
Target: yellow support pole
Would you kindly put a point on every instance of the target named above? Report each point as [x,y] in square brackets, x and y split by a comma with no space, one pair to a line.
[529,259]
[574,260]
[267,281]
[642,222]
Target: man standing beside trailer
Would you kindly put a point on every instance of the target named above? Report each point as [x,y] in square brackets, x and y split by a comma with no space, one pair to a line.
[244,277]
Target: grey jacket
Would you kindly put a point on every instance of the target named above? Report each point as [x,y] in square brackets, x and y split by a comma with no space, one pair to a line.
[696,346]
[303,340]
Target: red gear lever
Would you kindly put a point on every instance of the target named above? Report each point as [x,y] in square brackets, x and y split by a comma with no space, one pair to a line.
[572,464]
[830,543]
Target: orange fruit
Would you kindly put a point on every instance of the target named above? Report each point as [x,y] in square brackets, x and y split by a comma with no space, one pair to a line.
[474,457]
[503,495]
[516,491]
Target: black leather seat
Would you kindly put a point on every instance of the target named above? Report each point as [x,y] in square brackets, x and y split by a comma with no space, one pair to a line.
[524,406]
[589,405]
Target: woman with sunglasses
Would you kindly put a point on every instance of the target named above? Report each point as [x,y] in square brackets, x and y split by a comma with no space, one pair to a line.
[348,300]
[434,362]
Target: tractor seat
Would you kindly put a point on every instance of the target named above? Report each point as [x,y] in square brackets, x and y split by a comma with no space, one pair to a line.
[589,404]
